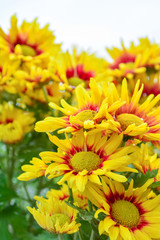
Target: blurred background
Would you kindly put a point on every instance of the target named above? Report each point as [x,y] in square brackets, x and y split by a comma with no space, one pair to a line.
[90,24]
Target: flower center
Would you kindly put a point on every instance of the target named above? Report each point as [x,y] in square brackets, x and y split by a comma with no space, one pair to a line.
[62,218]
[28,51]
[125,213]
[127,119]
[86,115]
[85,160]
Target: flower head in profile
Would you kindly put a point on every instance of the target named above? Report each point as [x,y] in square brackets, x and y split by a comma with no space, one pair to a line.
[138,120]
[55,216]
[128,214]
[14,123]
[147,160]
[63,195]
[133,61]
[78,68]
[29,42]
[90,113]
[85,157]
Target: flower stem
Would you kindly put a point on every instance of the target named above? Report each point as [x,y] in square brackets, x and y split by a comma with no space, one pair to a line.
[80,234]
[89,205]
[70,195]
[60,236]
[92,237]
[45,94]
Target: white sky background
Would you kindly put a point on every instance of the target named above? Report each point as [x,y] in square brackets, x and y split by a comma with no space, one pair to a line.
[90,24]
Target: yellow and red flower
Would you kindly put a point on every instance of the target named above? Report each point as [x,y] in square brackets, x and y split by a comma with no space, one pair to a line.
[14,123]
[129,214]
[91,112]
[63,195]
[135,60]
[141,121]
[29,42]
[74,69]
[55,216]
[85,157]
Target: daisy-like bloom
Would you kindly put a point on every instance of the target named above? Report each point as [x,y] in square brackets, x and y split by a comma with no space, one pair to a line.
[75,68]
[55,216]
[86,156]
[14,123]
[129,214]
[141,121]
[90,113]
[63,195]
[132,61]
[29,42]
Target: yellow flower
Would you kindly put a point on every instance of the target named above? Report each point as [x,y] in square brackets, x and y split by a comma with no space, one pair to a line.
[55,216]
[37,169]
[129,214]
[135,60]
[63,194]
[85,157]
[7,68]
[141,121]
[14,123]
[91,112]
[29,42]
[76,68]
[147,160]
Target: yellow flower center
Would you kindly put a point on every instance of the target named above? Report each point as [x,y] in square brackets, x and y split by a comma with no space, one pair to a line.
[28,51]
[125,213]
[127,119]
[85,160]
[86,115]
[61,218]
[75,81]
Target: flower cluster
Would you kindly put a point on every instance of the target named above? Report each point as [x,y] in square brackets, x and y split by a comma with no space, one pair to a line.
[103,123]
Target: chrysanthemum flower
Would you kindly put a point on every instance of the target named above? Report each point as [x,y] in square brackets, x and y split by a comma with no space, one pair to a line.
[91,112]
[14,123]
[129,214]
[28,42]
[55,216]
[75,68]
[141,121]
[132,61]
[85,157]
[63,195]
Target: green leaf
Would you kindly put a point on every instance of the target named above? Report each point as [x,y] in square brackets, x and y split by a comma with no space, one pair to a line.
[84,214]
[141,178]
[155,185]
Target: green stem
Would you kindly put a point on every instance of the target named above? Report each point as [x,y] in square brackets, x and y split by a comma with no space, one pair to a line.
[26,191]
[11,163]
[60,237]
[80,234]
[89,205]
[92,237]
[45,94]
[70,195]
